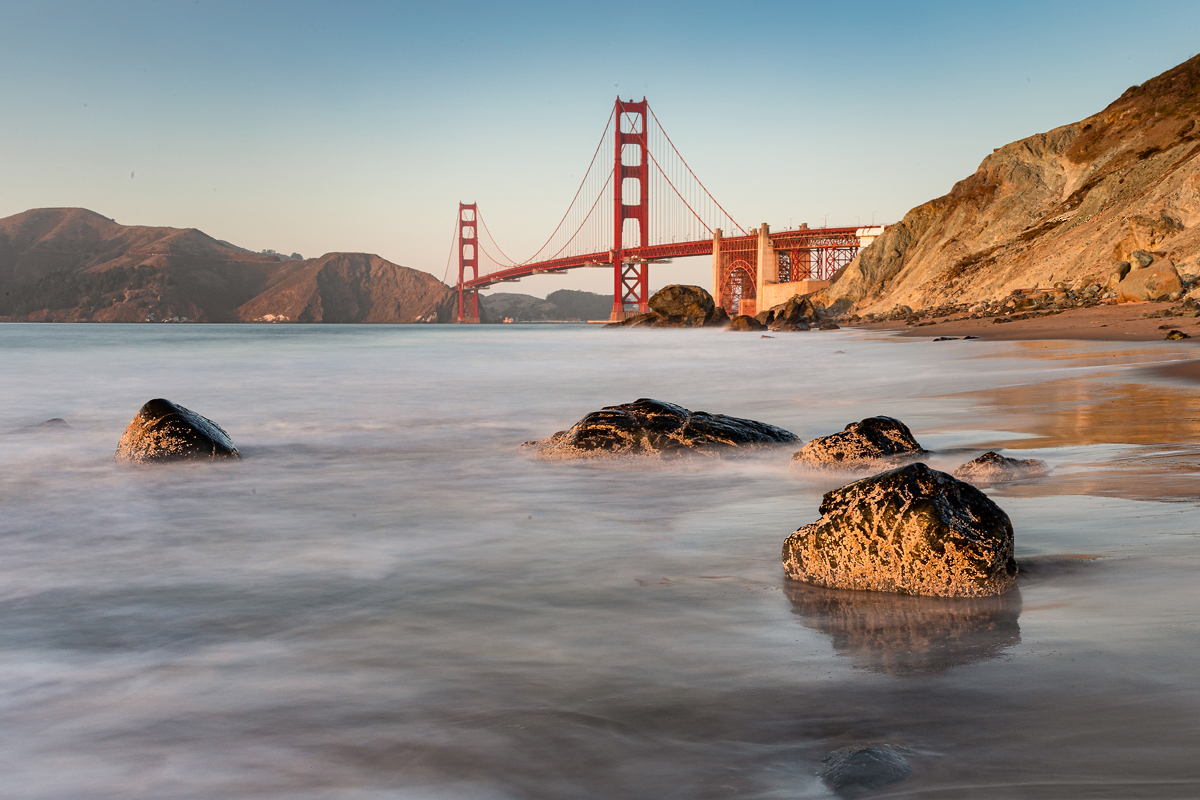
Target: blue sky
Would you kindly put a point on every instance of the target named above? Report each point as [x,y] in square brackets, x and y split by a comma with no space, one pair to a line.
[315,127]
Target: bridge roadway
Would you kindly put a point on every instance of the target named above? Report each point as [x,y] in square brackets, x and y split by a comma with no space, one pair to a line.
[802,239]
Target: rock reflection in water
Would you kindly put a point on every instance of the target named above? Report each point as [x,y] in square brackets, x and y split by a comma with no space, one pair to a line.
[906,634]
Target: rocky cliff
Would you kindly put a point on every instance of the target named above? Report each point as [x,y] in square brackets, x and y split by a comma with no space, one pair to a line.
[1059,208]
[74,265]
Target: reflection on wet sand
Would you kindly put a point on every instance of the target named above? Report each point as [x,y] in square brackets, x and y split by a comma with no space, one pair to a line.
[1159,421]
[1087,411]
[906,634]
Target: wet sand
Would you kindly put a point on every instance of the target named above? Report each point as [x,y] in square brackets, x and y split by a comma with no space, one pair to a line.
[1117,323]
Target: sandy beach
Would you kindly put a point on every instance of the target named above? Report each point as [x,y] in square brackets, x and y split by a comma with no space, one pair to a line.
[1127,322]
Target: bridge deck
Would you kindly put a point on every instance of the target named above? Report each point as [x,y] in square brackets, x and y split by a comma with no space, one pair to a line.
[801,239]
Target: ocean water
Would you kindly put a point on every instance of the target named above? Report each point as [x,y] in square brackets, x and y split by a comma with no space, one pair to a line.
[389,598]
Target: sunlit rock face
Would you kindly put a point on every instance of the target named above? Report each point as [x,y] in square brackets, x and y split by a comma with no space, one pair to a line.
[991,467]
[652,427]
[902,634]
[163,431]
[872,443]
[911,530]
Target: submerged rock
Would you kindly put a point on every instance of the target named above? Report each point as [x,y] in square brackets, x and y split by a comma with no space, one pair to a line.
[867,444]
[742,322]
[992,467]
[164,431]
[911,530]
[870,767]
[652,427]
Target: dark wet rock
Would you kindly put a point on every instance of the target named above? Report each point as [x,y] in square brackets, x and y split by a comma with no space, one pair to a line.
[851,770]
[969,337]
[652,427]
[902,634]
[829,326]
[164,431]
[765,317]
[869,444]
[743,322]
[911,530]
[991,467]
[790,327]
[1178,334]
[946,339]
[764,336]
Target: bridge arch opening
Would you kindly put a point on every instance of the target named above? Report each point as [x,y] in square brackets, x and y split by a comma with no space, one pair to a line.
[740,292]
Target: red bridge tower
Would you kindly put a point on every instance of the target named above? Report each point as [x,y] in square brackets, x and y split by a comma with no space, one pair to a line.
[468,259]
[631,201]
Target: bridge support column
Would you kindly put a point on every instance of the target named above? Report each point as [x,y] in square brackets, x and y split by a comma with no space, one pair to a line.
[768,265]
[716,269]
[631,286]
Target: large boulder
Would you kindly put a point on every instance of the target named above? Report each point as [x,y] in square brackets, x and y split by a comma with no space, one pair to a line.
[991,467]
[1149,283]
[676,306]
[652,427]
[163,431]
[743,322]
[868,444]
[910,530]
[685,306]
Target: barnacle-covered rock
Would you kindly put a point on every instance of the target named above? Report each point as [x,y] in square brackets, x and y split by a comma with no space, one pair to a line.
[911,530]
[991,467]
[652,427]
[164,431]
[868,444]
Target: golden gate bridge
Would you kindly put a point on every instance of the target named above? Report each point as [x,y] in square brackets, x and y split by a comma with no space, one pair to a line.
[612,222]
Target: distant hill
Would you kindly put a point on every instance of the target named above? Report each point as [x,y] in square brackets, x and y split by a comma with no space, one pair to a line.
[352,287]
[564,304]
[1058,207]
[74,265]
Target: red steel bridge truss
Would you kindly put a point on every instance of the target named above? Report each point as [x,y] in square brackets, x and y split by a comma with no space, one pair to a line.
[647,206]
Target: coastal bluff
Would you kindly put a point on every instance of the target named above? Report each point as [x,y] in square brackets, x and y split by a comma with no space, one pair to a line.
[1060,209]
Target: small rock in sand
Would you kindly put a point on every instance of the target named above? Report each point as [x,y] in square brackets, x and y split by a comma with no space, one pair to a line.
[1178,334]
[991,467]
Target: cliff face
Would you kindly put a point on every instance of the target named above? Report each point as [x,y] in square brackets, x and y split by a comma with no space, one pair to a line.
[1061,206]
[73,265]
[352,287]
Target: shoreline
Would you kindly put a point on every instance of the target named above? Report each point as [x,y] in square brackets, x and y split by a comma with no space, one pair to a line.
[1126,322]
